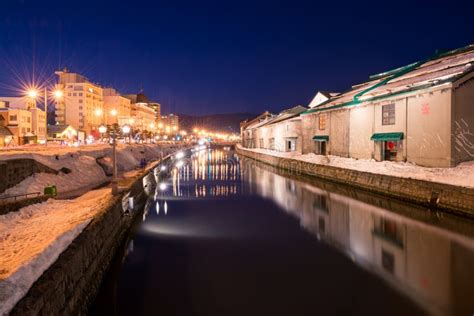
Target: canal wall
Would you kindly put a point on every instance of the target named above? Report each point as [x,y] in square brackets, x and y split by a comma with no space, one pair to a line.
[16,170]
[72,282]
[433,195]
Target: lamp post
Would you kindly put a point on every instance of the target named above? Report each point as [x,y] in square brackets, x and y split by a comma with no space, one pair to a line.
[125,130]
[33,93]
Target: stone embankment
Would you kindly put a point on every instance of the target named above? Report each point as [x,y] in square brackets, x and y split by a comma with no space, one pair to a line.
[71,283]
[434,195]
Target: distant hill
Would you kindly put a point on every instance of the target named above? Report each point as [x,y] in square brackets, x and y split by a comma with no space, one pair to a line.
[216,122]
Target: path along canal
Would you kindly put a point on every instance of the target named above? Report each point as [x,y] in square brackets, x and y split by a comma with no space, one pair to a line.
[225,235]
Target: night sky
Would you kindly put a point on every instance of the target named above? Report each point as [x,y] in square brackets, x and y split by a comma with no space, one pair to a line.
[226,56]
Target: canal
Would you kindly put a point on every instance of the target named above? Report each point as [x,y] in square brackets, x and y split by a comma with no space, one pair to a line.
[225,235]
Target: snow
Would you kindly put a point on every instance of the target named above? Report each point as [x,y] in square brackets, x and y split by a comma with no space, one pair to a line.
[85,172]
[454,176]
[32,238]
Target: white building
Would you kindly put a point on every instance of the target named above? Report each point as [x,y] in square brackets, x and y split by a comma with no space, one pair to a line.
[281,132]
[27,117]
[421,113]
[115,106]
[82,104]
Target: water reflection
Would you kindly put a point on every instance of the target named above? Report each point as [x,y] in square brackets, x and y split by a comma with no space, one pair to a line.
[205,174]
[223,234]
[431,265]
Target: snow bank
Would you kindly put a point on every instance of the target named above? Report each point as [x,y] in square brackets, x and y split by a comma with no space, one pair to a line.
[459,175]
[85,172]
[34,237]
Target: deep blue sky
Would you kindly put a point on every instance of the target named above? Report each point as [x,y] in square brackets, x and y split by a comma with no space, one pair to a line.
[226,56]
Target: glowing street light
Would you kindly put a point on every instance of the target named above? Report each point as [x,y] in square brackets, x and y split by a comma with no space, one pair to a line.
[126,129]
[98,112]
[102,129]
[58,94]
[113,112]
[32,93]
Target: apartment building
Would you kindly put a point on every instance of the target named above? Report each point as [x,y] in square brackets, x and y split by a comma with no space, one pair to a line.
[24,119]
[143,113]
[115,106]
[82,104]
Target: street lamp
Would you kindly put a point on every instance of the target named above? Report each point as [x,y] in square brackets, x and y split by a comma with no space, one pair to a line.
[33,93]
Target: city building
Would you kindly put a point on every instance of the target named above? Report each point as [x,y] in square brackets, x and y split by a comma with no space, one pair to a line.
[143,113]
[248,128]
[35,128]
[281,132]
[6,135]
[82,104]
[115,106]
[421,113]
[170,122]
[62,132]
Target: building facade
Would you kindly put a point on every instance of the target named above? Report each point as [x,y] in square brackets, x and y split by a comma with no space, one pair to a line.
[143,114]
[115,106]
[421,113]
[82,104]
[21,116]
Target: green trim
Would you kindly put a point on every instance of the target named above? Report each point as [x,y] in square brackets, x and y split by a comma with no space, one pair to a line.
[382,137]
[382,97]
[394,74]
[321,138]
[401,72]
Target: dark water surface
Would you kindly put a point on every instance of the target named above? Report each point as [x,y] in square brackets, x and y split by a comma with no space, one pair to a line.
[224,235]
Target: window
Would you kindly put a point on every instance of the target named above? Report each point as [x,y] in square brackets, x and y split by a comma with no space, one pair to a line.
[322,122]
[28,119]
[271,143]
[388,114]
[261,142]
[80,94]
[74,94]
[69,94]
[13,118]
[80,100]
[80,107]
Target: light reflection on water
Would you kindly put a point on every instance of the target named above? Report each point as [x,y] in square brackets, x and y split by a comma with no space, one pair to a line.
[426,257]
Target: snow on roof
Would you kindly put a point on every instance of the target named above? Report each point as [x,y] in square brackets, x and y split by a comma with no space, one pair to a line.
[287,114]
[442,68]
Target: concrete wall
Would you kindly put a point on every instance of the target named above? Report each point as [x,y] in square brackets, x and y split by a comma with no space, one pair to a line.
[71,283]
[428,138]
[463,125]
[443,196]
[310,128]
[338,124]
[16,170]
[361,128]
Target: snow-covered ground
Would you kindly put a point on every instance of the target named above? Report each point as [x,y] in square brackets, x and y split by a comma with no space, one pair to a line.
[461,175]
[85,172]
[32,238]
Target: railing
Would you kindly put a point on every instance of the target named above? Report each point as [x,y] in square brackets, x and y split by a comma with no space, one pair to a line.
[14,198]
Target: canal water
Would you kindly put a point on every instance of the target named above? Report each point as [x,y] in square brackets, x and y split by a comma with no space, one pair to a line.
[225,235]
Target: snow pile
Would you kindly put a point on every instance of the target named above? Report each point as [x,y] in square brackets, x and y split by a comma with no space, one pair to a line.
[454,176]
[85,172]
[34,237]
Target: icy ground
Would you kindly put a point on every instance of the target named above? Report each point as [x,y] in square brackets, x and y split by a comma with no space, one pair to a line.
[85,172]
[461,175]
[32,238]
